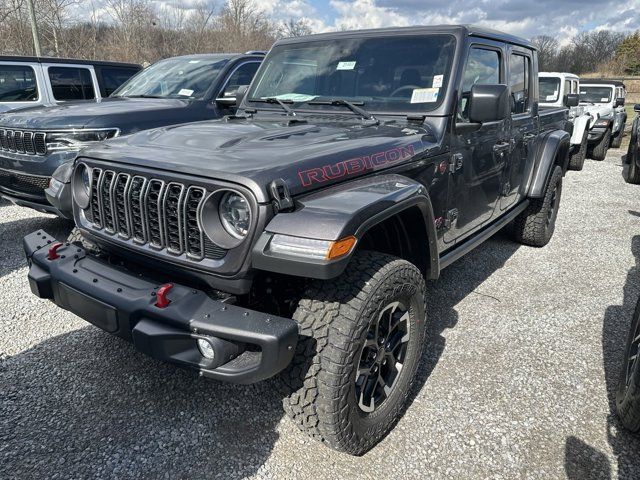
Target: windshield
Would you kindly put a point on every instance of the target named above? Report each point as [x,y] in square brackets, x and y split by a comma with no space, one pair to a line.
[398,74]
[174,77]
[595,94]
[549,89]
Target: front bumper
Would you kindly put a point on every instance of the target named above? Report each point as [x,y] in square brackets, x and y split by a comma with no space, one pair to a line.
[249,345]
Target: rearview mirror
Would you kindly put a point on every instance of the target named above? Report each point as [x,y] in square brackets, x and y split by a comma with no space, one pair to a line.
[571,100]
[620,102]
[488,103]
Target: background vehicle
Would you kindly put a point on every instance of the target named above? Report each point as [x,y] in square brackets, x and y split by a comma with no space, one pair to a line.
[631,161]
[39,143]
[33,81]
[296,237]
[604,99]
[561,90]
[628,394]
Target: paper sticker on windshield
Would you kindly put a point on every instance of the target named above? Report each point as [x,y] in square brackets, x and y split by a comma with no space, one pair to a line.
[424,95]
[604,99]
[346,65]
[551,97]
[437,81]
[296,97]
[185,92]
[194,61]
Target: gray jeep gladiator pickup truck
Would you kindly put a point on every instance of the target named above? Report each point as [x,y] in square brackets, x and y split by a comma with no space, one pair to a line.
[295,237]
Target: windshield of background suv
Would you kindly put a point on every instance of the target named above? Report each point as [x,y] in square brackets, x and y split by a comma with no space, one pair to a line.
[385,74]
[18,84]
[549,89]
[174,77]
[595,94]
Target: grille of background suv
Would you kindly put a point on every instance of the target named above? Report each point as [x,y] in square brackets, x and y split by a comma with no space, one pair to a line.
[34,184]
[163,215]
[23,141]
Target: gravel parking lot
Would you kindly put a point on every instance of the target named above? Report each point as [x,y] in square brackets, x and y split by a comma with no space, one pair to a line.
[523,358]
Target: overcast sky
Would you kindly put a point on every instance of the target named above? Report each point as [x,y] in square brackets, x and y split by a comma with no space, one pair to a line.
[561,18]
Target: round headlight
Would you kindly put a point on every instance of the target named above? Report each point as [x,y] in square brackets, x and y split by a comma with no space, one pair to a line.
[81,185]
[235,214]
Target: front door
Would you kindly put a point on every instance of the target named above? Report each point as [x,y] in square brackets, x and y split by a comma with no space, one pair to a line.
[478,155]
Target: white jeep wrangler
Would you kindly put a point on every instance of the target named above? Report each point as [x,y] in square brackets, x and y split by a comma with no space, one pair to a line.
[556,91]
[604,99]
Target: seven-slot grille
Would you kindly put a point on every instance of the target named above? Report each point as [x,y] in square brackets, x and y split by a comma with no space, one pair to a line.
[162,214]
[23,141]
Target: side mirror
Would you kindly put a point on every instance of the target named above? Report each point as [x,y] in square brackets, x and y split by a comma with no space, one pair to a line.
[232,97]
[488,103]
[571,100]
[636,108]
[620,102]
[240,93]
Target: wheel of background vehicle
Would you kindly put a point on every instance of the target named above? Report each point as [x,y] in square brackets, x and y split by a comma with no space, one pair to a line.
[536,224]
[628,395]
[631,172]
[599,151]
[361,338]
[576,162]
[76,237]
[617,140]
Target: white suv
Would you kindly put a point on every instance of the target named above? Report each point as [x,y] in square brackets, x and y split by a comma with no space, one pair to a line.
[555,91]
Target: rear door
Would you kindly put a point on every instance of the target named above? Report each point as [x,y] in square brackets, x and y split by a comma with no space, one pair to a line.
[479,154]
[524,124]
[71,82]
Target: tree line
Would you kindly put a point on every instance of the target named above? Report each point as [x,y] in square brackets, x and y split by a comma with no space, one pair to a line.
[140,30]
[600,51]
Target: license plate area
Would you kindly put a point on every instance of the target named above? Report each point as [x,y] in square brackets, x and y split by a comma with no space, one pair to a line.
[94,311]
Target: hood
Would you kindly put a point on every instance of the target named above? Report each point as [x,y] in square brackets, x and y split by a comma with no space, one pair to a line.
[123,113]
[307,156]
[597,110]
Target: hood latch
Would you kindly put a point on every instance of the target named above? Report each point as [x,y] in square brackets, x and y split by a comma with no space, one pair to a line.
[280,194]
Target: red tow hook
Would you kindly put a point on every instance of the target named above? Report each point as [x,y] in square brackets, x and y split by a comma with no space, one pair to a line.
[53,251]
[161,297]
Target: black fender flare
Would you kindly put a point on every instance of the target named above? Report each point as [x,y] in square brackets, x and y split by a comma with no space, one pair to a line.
[633,151]
[341,211]
[553,149]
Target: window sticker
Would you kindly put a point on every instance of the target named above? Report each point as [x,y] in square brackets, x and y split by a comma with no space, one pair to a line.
[296,97]
[424,95]
[551,98]
[437,81]
[604,99]
[194,61]
[185,92]
[346,65]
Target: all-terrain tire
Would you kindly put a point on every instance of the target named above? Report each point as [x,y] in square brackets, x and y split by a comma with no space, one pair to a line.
[76,237]
[599,151]
[617,140]
[536,224]
[576,161]
[628,394]
[630,170]
[334,320]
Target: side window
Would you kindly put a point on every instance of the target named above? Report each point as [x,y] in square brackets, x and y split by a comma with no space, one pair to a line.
[567,86]
[18,84]
[241,76]
[519,76]
[113,77]
[483,68]
[71,83]
[574,86]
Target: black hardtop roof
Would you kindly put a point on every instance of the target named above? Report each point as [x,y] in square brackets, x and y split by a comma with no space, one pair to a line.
[456,30]
[601,81]
[103,63]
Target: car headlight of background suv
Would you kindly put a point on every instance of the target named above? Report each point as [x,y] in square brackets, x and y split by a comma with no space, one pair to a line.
[76,139]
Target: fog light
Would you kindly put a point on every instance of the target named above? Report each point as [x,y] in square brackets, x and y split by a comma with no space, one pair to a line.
[206,349]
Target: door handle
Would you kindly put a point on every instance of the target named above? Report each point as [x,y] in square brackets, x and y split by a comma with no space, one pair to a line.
[500,147]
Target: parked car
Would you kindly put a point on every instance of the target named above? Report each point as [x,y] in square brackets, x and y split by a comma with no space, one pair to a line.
[558,89]
[39,143]
[296,236]
[604,99]
[33,81]
[631,161]
[628,394]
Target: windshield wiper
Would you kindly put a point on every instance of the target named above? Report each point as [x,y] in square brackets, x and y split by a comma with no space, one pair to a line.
[140,96]
[353,106]
[276,100]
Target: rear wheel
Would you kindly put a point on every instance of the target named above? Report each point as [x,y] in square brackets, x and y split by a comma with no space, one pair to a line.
[628,395]
[535,226]
[361,338]
[599,151]
[576,162]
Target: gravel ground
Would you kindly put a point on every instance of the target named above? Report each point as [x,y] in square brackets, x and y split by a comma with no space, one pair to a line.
[524,353]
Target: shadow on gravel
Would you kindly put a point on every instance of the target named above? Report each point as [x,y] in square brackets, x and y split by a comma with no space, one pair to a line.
[87,405]
[583,461]
[12,233]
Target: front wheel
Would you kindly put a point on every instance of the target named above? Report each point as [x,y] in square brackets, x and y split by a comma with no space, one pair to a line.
[617,140]
[535,226]
[576,161]
[361,338]
[628,395]
[599,151]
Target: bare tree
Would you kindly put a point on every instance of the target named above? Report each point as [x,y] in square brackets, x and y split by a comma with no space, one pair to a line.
[547,51]
[295,28]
